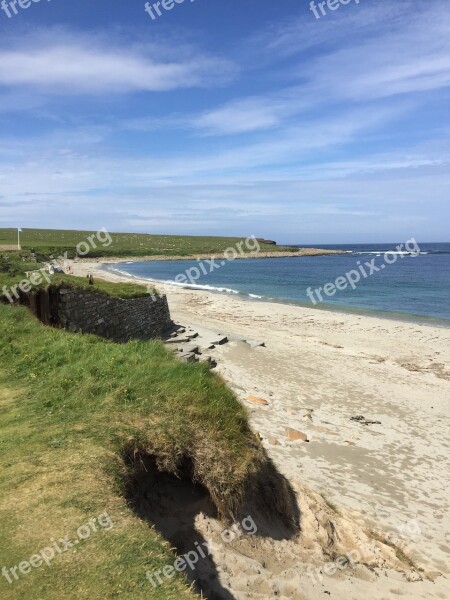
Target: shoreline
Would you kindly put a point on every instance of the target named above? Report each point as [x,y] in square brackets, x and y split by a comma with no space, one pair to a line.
[305,252]
[245,296]
[319,369]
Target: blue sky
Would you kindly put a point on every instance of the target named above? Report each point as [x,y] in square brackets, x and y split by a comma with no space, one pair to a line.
[228,117]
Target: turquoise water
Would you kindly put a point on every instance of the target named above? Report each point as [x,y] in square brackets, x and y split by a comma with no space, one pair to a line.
[415,285]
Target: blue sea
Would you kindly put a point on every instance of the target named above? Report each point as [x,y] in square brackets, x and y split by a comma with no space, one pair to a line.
[406,285]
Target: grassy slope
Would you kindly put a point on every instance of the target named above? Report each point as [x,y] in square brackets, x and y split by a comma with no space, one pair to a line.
[48,241]
[69,406]
[12,271]
[121,290]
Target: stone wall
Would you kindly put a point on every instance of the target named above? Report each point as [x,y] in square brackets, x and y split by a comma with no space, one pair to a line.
[89,311]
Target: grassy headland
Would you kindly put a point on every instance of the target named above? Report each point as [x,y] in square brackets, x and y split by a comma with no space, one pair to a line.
[53,241]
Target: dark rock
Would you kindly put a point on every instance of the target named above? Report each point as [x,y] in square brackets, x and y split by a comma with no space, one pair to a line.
[177,341]
[188,358]
[189,349]
[220,341]
[364,421]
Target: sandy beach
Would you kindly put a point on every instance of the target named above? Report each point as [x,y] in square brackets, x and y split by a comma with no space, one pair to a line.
[317,370]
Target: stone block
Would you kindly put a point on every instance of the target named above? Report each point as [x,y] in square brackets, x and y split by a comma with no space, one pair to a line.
[220,341]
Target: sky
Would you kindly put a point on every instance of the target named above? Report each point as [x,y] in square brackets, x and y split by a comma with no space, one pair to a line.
[228,117]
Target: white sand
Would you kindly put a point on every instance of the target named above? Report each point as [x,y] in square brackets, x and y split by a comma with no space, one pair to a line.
[319,369]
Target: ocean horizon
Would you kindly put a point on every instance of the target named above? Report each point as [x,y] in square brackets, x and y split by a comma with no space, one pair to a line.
[409,285]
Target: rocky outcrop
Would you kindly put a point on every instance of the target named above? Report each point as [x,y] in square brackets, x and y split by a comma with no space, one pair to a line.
[264,241]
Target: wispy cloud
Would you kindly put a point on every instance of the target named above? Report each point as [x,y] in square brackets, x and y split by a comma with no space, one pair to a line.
[344,116]
[63,62]
[368,52]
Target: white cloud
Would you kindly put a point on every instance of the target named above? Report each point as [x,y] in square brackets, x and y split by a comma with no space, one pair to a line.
[369,53]
[241,116]
[254,113]
[63,62]
[327,137]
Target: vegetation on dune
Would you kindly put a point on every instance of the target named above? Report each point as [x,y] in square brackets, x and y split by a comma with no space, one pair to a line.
[11,265]
[70,407]
[119,290]
[48,242]
[73,410]
[13,271]
[77,415]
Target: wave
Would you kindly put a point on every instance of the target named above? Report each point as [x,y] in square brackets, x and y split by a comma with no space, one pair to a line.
[192,286]
[404,253]
[199,286]
[380,252]
[121,272]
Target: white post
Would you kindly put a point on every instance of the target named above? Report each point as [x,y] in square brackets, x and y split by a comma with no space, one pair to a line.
[18,238]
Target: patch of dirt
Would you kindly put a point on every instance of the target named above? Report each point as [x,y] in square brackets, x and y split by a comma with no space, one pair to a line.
[437,369]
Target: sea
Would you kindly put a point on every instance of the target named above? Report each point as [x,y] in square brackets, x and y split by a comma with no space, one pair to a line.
[411,284]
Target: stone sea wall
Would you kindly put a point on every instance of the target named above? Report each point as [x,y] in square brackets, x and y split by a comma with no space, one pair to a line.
[118,319]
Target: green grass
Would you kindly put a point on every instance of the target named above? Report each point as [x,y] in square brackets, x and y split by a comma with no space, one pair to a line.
[52,241]
[13,271]
[120,290]
[69,407]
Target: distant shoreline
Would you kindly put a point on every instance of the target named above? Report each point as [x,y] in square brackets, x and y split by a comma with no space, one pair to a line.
[161,257]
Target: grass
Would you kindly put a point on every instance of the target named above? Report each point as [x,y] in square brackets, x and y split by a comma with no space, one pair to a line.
[70,407]
[53,241]
[13,271]
[120,290]
[73,409]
